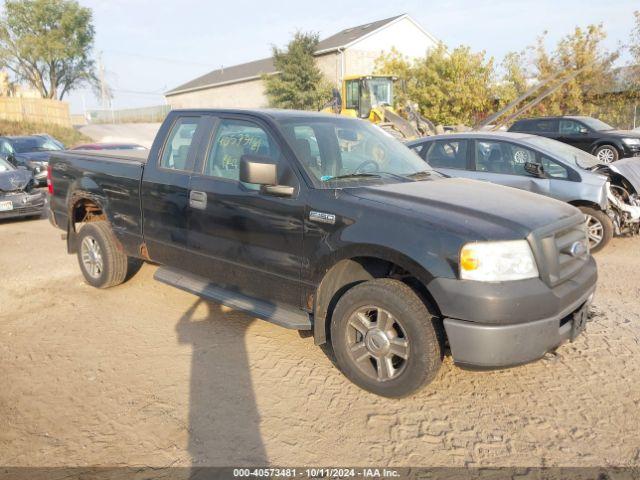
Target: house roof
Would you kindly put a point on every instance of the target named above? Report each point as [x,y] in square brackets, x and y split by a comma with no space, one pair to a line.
[253,70]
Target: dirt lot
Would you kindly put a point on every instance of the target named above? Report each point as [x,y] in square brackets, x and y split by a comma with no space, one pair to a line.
[143,374]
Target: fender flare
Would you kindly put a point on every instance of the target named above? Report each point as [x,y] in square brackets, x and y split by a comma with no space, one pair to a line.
[349,269]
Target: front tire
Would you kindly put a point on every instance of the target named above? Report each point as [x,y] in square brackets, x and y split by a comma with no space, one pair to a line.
[606,154]
[101,261]
[384,338]
[599,228]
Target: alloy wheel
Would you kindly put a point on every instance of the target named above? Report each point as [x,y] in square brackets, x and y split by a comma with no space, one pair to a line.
[595,231]
[91,255]
[377,343]
[606,155]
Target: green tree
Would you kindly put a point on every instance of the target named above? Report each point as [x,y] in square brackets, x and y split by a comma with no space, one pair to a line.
[450,87]
[47,43]
[299,83]
[582,49]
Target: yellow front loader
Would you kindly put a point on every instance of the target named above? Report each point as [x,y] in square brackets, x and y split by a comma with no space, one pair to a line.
[371,97]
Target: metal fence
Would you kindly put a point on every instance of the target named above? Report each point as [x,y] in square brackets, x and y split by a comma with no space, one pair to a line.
[129,115]
[35,110]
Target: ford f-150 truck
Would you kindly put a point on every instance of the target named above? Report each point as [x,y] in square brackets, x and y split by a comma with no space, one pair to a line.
[326,224]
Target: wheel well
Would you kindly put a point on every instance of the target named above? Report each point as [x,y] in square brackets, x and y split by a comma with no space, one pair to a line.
[585,203]
[350,272]
[83,210]
[86,210]
[602,143]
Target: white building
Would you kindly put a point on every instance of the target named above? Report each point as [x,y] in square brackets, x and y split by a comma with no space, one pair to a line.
[350,52]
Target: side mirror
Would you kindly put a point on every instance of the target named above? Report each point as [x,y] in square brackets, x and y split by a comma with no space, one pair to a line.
[534,169]
[12,160]
[262,171]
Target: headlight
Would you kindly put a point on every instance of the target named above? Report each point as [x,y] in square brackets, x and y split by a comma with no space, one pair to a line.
[497,261]
[631,141]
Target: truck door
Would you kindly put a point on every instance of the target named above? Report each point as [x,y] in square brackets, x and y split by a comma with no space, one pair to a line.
[239,237]
[504,163]
[165,188]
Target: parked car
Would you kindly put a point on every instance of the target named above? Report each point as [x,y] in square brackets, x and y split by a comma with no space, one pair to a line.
[109,146]
[586,133]
[608,195]
[326,224]
[18,195]
[31,152]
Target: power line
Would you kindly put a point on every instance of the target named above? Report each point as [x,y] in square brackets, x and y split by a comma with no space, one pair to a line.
[158,59]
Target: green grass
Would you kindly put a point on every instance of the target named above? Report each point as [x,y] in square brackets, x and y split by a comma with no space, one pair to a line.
[68,136]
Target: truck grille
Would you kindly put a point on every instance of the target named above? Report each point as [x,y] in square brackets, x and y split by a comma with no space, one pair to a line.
[552,248]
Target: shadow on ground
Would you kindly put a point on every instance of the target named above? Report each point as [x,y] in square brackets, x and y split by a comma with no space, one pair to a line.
[223,416]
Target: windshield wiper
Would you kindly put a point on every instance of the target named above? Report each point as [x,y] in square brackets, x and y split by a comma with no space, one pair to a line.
[354,175]
[420,174]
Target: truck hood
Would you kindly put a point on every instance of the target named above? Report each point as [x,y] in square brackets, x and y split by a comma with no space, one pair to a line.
[487,211]
[14,180]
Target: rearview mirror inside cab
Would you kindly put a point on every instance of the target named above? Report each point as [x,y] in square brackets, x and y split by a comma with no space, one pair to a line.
[347,135]
[260,170]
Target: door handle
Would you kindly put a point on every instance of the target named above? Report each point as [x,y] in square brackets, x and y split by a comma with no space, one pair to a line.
[198,199]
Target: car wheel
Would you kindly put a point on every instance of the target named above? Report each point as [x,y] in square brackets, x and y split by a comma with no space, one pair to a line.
[606,154]
[101,261]
[384,338]
[599,228]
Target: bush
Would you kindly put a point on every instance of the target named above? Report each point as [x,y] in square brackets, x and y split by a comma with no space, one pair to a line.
[68,136]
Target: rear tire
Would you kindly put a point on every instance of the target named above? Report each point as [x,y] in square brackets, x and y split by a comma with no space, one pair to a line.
[101,260]
[606,154]
[599,228]
[384,338]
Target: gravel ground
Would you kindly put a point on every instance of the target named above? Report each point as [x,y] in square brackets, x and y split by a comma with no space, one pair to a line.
[143,374]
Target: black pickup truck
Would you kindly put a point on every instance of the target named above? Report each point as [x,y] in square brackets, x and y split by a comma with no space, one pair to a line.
[326,224]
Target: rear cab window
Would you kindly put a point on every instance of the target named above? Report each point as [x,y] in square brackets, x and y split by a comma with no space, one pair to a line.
[177,152]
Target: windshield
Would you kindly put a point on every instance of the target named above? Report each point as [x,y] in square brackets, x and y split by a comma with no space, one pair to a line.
[381,91]
[5,166]
[33,144]
[596,124]
[565,152]
[341,152]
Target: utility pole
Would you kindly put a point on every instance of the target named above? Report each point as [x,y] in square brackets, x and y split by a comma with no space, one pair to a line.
[104,88]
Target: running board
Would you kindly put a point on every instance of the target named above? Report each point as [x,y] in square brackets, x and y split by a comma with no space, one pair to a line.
[280,315]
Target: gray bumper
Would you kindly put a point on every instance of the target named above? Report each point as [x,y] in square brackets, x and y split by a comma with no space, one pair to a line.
[512,322]
[506,345]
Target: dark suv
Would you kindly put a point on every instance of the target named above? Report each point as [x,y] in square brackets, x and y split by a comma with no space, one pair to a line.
[587,133]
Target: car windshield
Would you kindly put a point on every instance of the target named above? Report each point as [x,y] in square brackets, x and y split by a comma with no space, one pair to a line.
[596,124]
[34,144]
[565,152]
[5,166]
[340,152]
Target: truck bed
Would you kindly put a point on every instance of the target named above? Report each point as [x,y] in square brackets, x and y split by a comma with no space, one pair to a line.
[111,178]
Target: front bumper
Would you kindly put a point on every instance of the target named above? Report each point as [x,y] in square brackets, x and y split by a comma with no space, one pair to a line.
[630,150]
[23,205]
[509,323]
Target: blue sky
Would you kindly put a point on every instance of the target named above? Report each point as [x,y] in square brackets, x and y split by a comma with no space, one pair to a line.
[151,46]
